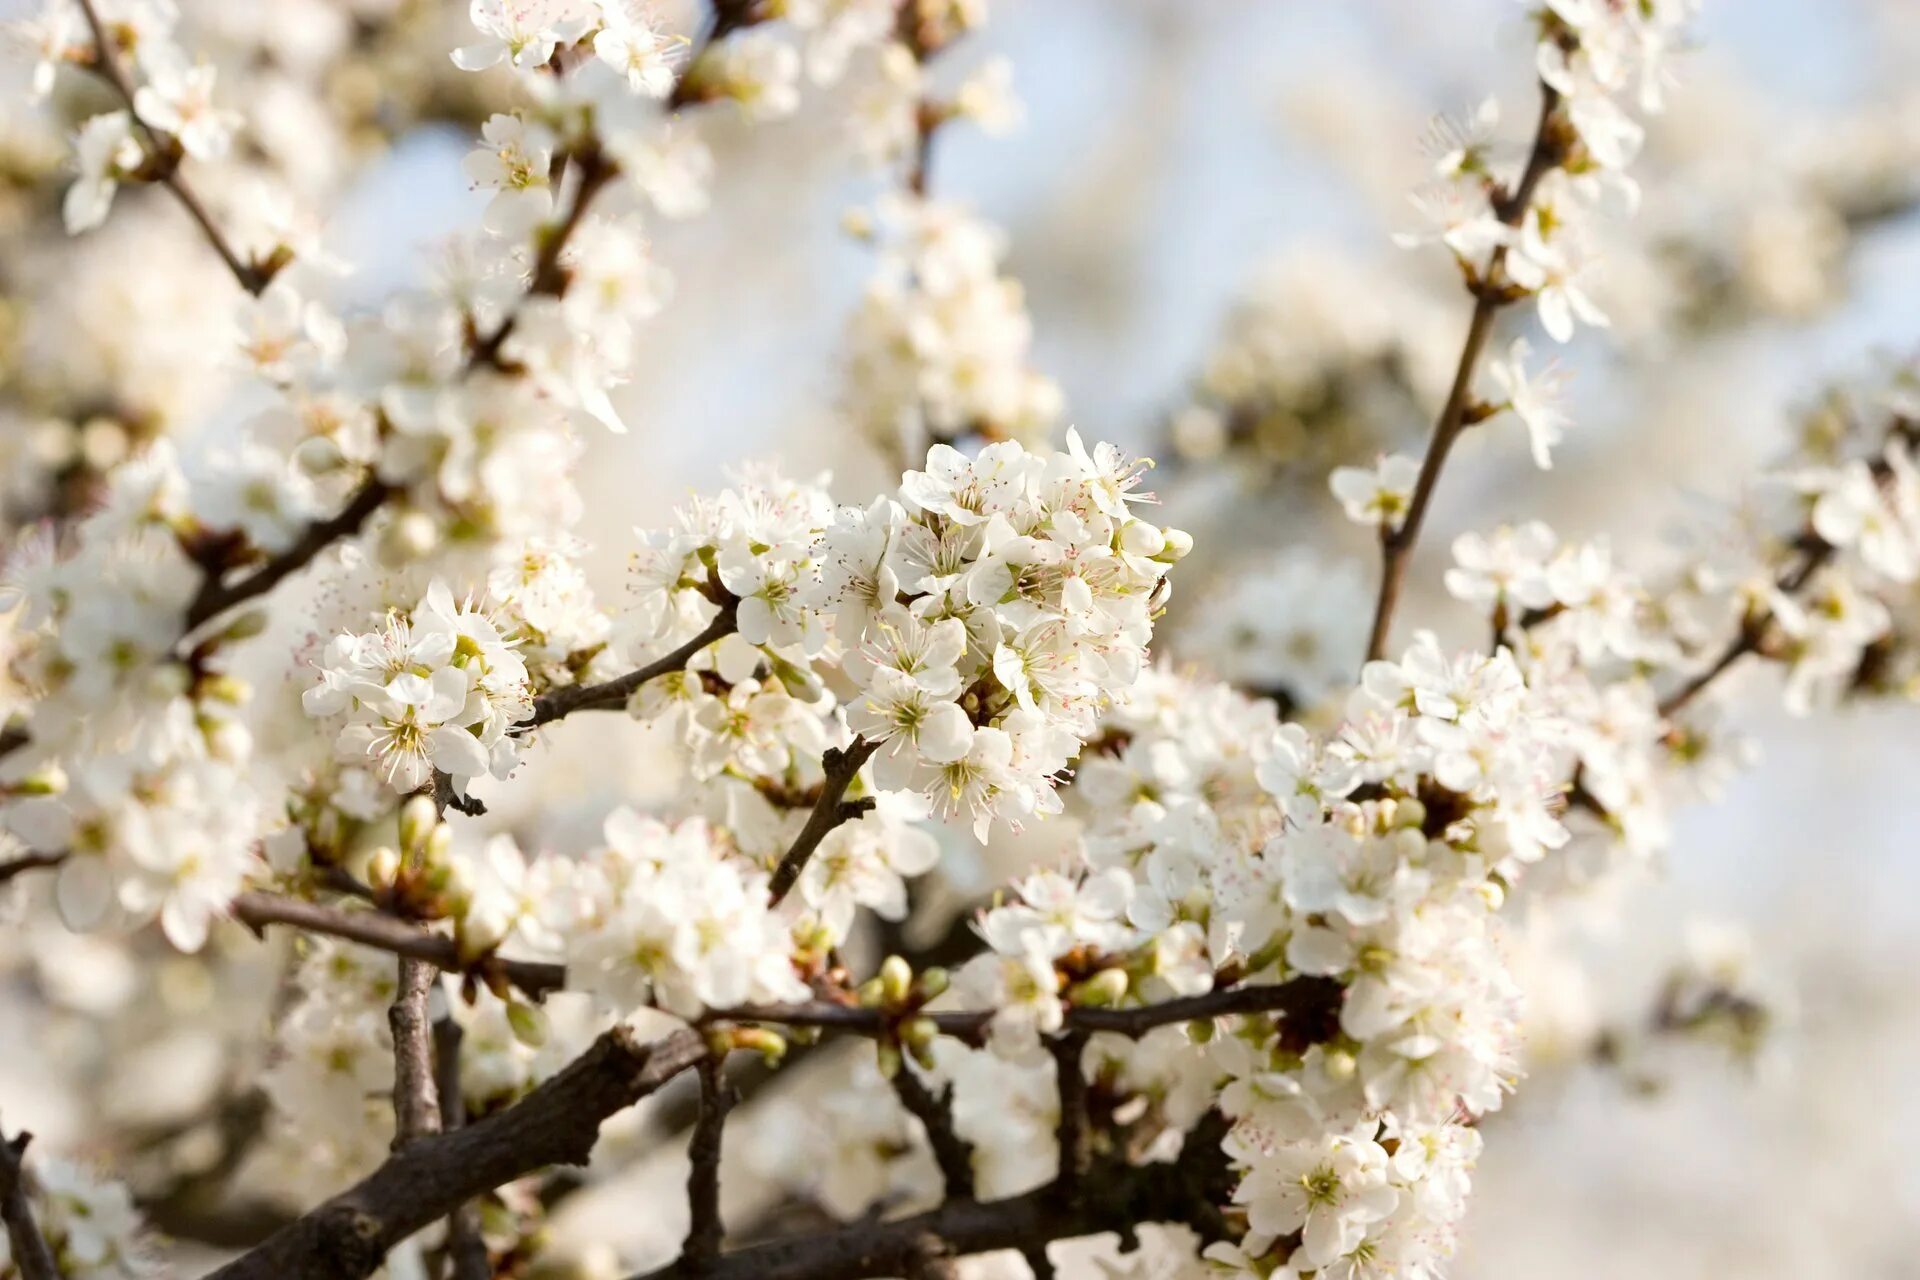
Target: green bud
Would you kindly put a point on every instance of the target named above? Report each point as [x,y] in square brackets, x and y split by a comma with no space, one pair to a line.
[871,994]
[248,625]
[1104,989]
[528,1023]
[770,1045]
[889,1055]
[896,980]
[383,868]
[932,983]
[1200,1030]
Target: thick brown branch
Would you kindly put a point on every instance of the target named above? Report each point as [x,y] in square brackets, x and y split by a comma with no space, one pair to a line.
[216,597]
[347,1237]
[1396,545]
[385,933]
[416,1100]
[612,694]
[31,1256]
[163,152]
[829,811]
[1074,1137]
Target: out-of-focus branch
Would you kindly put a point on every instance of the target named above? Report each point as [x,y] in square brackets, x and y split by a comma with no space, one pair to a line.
[31,1256]
[29,862]
[1117,1197]
[215,597]
[707,1231]
[558,1123]
[163,154]
[466,1250]
[952,1153]
[1396,545]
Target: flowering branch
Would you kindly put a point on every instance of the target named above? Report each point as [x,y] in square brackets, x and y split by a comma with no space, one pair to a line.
[29,862]
[829,811]
[614,693]
[557,1123]
[163,155]
[30,1252]
[1397,542]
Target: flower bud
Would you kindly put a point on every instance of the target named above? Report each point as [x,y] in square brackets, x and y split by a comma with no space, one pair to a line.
[770,1045]
[1178,543]
[889,1058]
[1104,989]
[383,868]
[528,1023]
[1494,896]
[419,816]
[249,624]
[896,979]
[48,780]
[871,994]
[1339,1064]
[932,984]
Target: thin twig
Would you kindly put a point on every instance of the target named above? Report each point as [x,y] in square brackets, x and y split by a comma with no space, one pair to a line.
[29,862]
[952,1153]
[31,1256]
[707,1231]
[614,693]
[215,598]
[829,811]
[1396,545]
[163,151]
[416,1101]
[386,933]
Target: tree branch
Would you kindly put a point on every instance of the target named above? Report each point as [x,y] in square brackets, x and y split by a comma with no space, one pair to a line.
[706,1231]
[164,153]
[611,694]
[29,862]
[385,933]
[347,1237]
[829,811]
[951,1152]
[416,1101]
[215,598]
[1396,545]
[29,1248]
[1076,1151]
[1119,1197]
[466,1250]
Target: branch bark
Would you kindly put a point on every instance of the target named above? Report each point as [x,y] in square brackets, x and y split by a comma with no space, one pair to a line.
[416,1100]
[612,694]
[466,1249]
[347,1237]
[706,1230]
[829,811]
[952,1153]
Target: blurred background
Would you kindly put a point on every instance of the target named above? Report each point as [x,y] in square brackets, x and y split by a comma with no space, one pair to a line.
[1198,205]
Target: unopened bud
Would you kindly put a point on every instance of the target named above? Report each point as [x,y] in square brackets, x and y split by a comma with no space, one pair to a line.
[1339,1064]
[1410,812]
[1178,543]
[383,867]
[49,780]
[896,980]
[871,994]
[419,817]
[249,624]
[889,1058]
[1105,988]
[1491,891]
[231,690]
[1200,1030]
[770,1045]
[528,1023]
[932,984]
